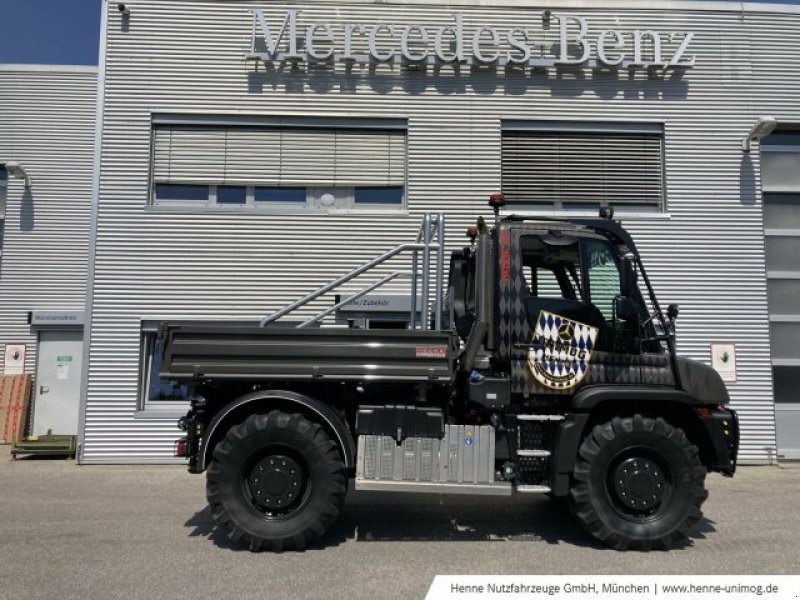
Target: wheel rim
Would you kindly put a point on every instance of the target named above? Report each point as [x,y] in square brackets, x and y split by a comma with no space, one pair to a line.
[639,484]
[276,482]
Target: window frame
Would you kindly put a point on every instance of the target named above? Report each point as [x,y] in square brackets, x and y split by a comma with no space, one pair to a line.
[148,334]
[396,125]
[344,203]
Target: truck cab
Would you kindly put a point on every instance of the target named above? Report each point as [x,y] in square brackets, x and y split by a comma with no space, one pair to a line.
[557,308]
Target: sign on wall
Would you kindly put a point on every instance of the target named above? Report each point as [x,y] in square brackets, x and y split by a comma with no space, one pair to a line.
[393,303]
[57,317]
[723,359]
[291,37]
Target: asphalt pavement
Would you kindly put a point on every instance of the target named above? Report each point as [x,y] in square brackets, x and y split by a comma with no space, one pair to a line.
[145,532]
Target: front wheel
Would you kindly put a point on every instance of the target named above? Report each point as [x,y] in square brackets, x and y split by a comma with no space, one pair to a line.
[276,482]
[638,484]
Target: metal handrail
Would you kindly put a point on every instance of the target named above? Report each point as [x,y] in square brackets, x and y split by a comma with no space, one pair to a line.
[439,270]
[431,229]
[349,299]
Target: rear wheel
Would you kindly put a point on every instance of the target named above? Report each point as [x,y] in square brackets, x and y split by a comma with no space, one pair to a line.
[638,483]
[276,482]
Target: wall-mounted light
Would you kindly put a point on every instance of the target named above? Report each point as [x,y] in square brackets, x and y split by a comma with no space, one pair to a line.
[546,16]
[17,170]
[760,129]
[124,10]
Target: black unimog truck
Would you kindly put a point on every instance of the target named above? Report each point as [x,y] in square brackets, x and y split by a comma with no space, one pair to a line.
[544,369]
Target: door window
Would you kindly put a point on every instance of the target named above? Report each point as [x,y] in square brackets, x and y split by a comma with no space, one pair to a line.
[551,270]
[603,275]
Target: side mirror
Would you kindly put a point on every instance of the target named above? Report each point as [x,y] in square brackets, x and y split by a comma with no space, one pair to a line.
[627,277]
[672,312]
[625,308]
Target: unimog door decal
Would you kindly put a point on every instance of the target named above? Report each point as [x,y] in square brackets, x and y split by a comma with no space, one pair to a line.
[560,350]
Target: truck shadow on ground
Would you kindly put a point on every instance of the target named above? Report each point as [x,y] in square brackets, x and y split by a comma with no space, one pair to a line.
[376,517]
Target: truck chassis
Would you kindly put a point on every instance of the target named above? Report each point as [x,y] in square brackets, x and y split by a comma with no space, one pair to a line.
[538,370]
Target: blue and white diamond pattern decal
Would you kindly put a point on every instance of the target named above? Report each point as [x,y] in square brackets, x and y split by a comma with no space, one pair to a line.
[560,350]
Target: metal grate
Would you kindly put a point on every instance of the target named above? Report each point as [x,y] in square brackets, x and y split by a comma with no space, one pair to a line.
[534,470]
[370,456]
[535,435]
[426,451]
[409,459]
[386,466]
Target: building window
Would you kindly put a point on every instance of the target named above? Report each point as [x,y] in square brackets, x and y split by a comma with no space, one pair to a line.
[385,195]
[280,194]
[339,198]
[3,187]
[153,388]
[169,192]
[582,166]
[231,194]
[780,162]
[298,167]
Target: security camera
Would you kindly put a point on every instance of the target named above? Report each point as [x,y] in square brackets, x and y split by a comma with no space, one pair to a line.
[123,9]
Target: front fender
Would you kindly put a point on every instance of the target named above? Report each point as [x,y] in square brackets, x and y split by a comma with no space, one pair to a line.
[715,433]
[590,396]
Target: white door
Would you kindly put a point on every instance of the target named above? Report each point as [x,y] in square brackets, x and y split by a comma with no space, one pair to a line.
[58,382]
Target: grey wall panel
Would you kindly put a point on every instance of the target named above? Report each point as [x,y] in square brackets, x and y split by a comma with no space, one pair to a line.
[783,251]
[47,125]
[785,340]
[780,212]
[706,252]
[783,295]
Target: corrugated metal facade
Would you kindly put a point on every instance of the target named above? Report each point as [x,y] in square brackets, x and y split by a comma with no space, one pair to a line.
[47,119]
[706,252]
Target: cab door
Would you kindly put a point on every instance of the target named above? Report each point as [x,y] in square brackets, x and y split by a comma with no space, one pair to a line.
[566,328]
[570,336]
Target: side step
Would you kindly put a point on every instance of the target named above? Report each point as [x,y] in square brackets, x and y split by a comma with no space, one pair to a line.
[535,436]
[534,453]
[540,417]
[498,488]
[533,489]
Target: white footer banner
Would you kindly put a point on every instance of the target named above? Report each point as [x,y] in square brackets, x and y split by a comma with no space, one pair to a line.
[629,587]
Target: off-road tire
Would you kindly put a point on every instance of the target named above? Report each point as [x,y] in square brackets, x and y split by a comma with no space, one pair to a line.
[645,462]
[312,463]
